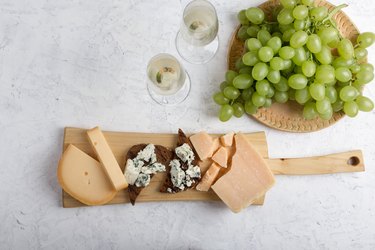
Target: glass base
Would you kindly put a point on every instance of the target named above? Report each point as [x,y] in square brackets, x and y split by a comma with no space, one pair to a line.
[196,54]
[175,98]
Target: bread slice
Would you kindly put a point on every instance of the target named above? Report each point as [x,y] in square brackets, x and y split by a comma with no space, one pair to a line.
[163,156]
[169,186]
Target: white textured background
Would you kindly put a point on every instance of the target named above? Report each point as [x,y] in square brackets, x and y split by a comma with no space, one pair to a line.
[82,63]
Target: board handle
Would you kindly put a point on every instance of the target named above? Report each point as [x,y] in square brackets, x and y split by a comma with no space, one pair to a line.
[351,161]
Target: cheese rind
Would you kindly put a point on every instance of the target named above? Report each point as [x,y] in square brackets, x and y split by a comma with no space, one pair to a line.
[248,179]
[227,139]
[106,158]
[208,178]
[83,178]
[221,157]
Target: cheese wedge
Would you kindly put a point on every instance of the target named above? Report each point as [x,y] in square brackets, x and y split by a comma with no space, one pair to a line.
[227,139]
[204,145]
[248,179]
[221,157]
[208,178]
[83,178]
[106,158]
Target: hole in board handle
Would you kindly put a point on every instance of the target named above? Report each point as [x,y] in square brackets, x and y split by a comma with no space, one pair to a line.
[353,161]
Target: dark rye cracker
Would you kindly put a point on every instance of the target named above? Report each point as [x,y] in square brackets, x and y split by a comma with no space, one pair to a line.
[163,156]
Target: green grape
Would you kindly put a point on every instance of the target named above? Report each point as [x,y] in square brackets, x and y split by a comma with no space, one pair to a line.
[325,74]
[341,62]
[231,93]
[238,109]
[242,33]
[331,94]
[274,76]
[288,64]
[308,2]
[364,77]
[327,116]
[230,75]
[246,70]
[260,71]
[351,108]
[286,27]
[277,34]
[285,16]
[275,44]
[239,64]
[334,43]
[271,92]
[288,4]
[281,97]
[286,52]
[253,44]
[302,95]
[343,74]
[367,67]
[250,58]
[348,93]
[355,68]
[265,54]
[323,106]
[309,111]
[263,36]
[308,68]
[318,13]
[299,24]
[337,106]
[287,35]
[267,26]
[324,56]
[364,104]
[298,39]
[277,63]
[258,100]
[223,85]
[292,94]
[253,30]
[255,15]
[297,81]
[246,94]
[226,112]
[366,39]
[243,81]
[262,87]
[345,48]
[328,34]
[300,56]
[267,103]
[314,44]
[241,16]
[300,12]
[317,91]
[250,108]
[220,99]
[360,53]
[282,86]
[298,69]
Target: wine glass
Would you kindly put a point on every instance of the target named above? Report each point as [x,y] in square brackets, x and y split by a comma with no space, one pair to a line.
[197,41]
[167,81]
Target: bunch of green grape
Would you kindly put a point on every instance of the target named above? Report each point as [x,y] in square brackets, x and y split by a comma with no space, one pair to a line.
[298,55]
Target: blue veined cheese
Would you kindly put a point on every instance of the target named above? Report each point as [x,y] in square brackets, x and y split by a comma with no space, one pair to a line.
[131,172]
[194,171]
[153,168]
[177,174]
[147,154]
[185,153]
[143,180]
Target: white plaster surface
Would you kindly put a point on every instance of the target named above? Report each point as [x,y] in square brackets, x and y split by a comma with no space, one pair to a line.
[82,63]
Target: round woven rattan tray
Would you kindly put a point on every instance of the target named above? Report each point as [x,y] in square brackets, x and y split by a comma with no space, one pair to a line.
[288,116]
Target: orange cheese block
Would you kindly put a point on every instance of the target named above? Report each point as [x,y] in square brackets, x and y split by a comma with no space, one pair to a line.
[248,179]
[83,178]
[221,157]
[106,158]
[227,139]
[208,178]
[204,145]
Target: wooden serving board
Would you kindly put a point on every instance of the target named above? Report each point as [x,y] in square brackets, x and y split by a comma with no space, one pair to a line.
[120,142]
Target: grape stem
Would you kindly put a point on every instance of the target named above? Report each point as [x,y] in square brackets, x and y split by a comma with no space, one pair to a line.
[334,11]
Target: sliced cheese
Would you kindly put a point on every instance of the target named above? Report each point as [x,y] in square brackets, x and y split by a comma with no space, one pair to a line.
[248,179]
[221,157]
[227,139]
[215,145]
[106,158]
[203,144]
[208,178]
[205,165]
[83,178]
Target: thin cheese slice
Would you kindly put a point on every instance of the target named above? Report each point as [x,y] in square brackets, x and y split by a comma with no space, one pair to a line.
[83,178]
[221,157]
[227,139]
[106,158]
[203,145]
[208,178]
[248,179]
